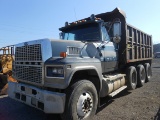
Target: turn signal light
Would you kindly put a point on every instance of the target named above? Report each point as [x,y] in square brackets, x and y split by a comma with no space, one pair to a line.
[63,54]
[83,20]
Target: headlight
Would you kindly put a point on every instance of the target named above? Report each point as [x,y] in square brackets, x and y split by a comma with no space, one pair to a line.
[56,71]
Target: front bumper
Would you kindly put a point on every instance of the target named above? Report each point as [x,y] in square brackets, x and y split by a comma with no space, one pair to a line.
[47,101]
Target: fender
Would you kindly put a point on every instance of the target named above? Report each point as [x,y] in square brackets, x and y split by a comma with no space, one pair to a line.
[79,68]
[76,64]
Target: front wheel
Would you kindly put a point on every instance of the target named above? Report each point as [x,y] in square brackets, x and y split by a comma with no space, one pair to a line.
[81,101]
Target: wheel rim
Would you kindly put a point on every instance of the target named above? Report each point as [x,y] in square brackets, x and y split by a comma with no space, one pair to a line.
[149,72]
[143,75]
[134,78]
[84,105]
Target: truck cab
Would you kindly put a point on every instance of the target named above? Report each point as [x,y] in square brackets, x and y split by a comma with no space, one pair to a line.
[104,35]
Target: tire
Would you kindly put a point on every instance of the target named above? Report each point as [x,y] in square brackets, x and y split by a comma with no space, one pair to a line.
[148,70]
[82,95]
[141,75]
[131,78]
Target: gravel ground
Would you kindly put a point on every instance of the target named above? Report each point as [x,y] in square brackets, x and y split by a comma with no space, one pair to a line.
[140,104]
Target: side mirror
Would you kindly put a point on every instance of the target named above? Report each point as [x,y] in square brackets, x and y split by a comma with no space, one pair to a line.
[61,35]
[117,31]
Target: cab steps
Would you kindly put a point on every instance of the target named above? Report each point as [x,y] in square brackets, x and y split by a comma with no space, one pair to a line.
[117,91]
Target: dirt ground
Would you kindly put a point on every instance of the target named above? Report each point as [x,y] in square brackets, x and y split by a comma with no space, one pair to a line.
[140,104]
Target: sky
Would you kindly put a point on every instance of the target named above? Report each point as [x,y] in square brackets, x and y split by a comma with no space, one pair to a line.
[25,20]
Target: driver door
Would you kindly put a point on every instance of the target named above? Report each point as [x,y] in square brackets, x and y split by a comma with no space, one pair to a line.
[110,53]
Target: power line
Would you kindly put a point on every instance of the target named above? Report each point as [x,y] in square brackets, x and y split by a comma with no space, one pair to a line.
[22,27]
[24,31]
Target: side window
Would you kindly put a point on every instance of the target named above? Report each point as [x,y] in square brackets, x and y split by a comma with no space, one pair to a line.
[69,36]
[105,35]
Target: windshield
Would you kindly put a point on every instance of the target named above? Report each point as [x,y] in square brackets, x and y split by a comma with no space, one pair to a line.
[87,32]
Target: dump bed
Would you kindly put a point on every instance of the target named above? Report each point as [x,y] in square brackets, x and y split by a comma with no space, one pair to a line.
[138,45]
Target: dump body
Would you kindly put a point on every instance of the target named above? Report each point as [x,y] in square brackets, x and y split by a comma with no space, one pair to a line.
[138,45]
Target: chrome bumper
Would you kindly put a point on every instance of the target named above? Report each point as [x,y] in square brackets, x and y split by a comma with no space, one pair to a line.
[47,101]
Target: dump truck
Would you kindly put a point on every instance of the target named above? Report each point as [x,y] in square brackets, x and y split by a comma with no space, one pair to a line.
[95,57]
[6,59]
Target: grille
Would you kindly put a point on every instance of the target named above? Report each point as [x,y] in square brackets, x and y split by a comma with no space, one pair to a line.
[29,73]
[73,50]
[28,53]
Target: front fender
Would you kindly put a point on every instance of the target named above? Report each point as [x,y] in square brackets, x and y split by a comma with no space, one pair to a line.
[80,68]
[92,65]
[72,65]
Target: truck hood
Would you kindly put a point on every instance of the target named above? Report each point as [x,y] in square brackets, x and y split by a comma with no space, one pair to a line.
[53,48]
[73,48]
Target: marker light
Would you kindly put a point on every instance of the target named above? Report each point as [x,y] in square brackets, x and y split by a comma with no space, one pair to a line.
[74,22]
[63,54]
[83,20]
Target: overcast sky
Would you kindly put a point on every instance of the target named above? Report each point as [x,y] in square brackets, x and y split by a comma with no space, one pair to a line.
[25,20]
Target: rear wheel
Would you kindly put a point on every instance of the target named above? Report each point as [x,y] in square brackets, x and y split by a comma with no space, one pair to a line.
[141,75]
[81,102]
[131,77]
[148,70]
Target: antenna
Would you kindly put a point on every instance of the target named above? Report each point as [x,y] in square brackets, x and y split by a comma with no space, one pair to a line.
[75,14]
